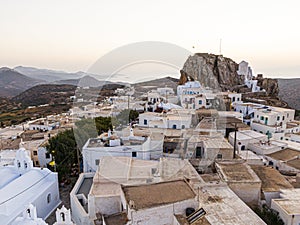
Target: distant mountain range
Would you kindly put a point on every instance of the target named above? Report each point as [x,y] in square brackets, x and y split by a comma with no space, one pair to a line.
[15,81]
[48,75]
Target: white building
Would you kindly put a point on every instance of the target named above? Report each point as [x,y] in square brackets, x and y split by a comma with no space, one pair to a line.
[43,125]
[241,179]
[288,206]
[132,146]
[22,184]
[245,70]
[174,119]
[272,121]
[244,137]
[193,86]
[106,193]
[272,182]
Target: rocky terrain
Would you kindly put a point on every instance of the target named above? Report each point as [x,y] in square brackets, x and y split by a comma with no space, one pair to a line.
[45,94]
[219,72]
[289,91]
[211,70]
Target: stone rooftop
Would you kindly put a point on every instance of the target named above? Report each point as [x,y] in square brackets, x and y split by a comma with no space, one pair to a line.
[271,179]
[236,171]
[158,194]
[285,154]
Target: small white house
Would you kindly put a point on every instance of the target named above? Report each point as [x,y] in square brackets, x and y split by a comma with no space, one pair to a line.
[288,206]
[244,137]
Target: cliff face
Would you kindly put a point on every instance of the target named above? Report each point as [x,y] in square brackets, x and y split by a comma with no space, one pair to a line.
[219,72]
[213,71]
[270,85]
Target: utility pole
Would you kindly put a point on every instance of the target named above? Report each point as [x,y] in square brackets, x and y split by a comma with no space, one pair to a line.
[234,146]
[220,49]
[128,102]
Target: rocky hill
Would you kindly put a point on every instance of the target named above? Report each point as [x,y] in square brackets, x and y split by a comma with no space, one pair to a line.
[289,91]
[219,72]
[215,71]
[45,94]
[13,82]
[86,81]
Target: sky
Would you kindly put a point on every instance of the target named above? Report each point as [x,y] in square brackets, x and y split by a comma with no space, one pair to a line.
[71,35]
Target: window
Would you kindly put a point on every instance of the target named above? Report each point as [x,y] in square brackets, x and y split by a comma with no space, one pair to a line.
[233,99]
[278,118]
[47,155]
[19,164]
[133,154]
[262,118]
[200,102]
[174,126]
[283,118]
[97,162]
[182,127]
[48,198]
[243,147]
[25,165]
[37,163]
[238,99]
[34,152]
[145,122]
[219,156]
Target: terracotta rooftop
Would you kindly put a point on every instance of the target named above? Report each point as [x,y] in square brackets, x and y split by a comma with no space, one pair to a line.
[271,179]
[153,195]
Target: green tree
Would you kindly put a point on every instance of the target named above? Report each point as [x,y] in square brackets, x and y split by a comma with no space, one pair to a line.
[268,215]
[126,116]
[63,148]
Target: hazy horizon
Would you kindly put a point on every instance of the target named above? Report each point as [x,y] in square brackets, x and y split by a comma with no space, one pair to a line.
[72,35]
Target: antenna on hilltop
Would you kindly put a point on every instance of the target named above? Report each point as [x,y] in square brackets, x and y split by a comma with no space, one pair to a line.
[220,46]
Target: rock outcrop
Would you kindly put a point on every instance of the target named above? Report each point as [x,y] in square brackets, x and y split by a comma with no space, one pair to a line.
[270,85]
[215,71]
[219,72]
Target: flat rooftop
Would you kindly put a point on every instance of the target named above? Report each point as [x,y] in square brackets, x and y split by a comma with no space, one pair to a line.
[153,195]
[285,154]
[223,206]
[248,134]
[220,143]
[236,170]
[291,206]
[272,180]
[294,163]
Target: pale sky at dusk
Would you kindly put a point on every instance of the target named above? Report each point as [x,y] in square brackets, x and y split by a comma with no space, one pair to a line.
[71,35]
